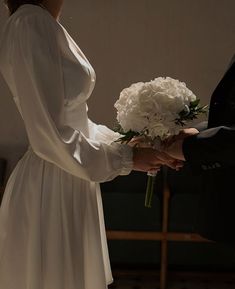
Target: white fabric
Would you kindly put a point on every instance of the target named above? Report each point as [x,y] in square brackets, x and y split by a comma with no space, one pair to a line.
[52,232]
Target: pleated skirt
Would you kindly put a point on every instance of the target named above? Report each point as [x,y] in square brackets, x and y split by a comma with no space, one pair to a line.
[52,231]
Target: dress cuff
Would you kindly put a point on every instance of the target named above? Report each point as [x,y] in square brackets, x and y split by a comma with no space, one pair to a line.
[127,159]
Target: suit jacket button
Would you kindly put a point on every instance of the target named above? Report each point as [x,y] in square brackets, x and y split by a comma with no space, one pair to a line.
[218,165]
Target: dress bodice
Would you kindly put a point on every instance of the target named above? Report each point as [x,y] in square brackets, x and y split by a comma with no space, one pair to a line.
[79,81]
[77,72]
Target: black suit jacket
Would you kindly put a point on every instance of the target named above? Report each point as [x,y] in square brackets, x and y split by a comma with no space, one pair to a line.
[211,153]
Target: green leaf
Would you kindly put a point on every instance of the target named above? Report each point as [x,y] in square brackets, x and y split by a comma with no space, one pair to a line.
[194,103]
[127,136]
[194,111]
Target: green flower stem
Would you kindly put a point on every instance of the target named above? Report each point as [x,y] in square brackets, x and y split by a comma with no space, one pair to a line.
[149,191]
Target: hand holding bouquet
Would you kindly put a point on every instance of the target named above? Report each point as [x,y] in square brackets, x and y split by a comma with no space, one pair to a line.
[155,110]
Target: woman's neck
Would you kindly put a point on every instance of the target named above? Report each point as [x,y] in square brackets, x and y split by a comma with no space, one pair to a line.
[53,6]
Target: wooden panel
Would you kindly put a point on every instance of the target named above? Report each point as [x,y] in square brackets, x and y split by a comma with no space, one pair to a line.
[154,236]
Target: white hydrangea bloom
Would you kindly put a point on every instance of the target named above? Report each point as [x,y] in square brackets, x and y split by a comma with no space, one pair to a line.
[152,107]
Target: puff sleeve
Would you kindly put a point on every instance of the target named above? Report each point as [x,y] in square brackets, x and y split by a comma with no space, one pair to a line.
[38,80]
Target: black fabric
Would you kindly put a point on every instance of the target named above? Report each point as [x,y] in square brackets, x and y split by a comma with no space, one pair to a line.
[212,155]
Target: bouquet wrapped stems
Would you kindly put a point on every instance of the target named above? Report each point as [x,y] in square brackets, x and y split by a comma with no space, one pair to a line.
[149,190]
[156,144]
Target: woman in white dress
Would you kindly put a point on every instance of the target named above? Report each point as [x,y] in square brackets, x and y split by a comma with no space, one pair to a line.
[52,233]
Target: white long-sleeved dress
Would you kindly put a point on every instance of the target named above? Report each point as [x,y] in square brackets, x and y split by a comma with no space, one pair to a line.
[52,232]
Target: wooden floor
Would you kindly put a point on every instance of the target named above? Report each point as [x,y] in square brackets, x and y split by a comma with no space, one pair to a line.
[150,280]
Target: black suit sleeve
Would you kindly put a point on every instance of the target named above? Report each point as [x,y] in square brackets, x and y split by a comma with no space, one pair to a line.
[212,148]
[201,125]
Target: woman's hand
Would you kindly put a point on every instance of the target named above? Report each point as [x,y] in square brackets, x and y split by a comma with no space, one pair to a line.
[151,160]
[174,145]
[140,142]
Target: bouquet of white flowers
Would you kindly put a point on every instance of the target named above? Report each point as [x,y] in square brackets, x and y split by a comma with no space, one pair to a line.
[156,110]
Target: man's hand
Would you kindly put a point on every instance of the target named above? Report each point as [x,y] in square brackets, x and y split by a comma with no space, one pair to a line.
[151,160]
[174,145]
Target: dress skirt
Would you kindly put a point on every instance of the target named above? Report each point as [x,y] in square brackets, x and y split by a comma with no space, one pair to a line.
[52,225]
